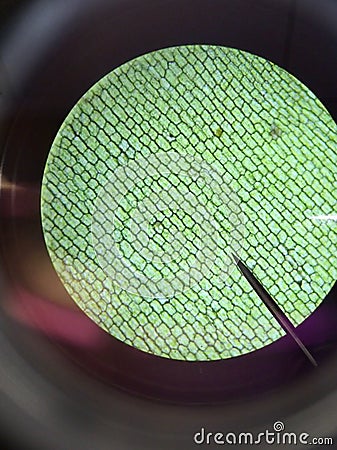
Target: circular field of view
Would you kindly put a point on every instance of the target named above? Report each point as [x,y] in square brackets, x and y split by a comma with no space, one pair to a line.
[167,166]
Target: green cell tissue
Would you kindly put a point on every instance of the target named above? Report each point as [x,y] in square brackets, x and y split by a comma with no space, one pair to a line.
[165,167]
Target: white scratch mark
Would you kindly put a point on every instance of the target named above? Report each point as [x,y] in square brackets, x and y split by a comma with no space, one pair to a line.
[325,217]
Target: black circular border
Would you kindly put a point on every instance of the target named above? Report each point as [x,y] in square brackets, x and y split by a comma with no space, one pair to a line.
[100,37]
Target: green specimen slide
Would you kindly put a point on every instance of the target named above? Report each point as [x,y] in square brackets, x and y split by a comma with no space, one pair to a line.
[168,165]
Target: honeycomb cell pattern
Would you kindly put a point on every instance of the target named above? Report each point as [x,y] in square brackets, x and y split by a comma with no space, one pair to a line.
[167,165]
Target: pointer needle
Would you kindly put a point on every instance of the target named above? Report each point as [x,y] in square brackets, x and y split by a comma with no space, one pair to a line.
[273,308]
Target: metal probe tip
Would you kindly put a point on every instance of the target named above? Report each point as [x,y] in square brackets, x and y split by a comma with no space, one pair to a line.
[273,307]
[236,259]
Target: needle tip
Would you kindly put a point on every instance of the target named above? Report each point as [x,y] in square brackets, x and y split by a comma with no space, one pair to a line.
[236,259]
